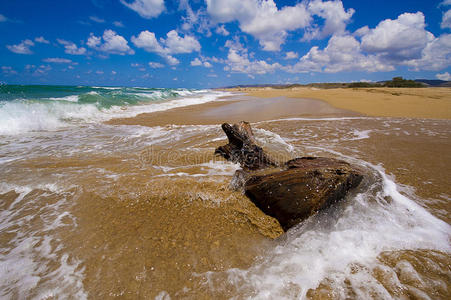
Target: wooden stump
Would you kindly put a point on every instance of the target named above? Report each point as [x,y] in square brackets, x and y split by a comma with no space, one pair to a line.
[290,192]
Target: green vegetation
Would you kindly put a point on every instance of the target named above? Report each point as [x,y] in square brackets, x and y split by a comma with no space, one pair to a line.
[401,82]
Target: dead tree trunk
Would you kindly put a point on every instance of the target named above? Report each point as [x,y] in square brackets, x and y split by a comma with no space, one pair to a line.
[298,189]
[242,148]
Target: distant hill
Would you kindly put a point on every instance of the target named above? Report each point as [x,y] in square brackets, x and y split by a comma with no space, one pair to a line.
[435,82]
[395,82]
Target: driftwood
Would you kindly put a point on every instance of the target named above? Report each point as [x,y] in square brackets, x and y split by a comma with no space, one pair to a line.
[289,192]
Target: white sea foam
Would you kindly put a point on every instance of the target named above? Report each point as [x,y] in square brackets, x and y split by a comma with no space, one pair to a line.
[269,138]
[317,119]
[333,245]
[21,116]
[32,264]
[71,98]
[360,134]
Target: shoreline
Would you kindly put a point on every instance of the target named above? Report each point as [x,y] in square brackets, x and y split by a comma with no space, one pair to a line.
[232,109]
[421,103]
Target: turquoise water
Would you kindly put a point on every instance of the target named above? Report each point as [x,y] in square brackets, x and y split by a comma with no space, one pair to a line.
[104,97]
[28,108]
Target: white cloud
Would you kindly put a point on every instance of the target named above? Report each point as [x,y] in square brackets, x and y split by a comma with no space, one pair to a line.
[238,61]
[155,65]
[197,62]
[42,70]
[147,41]
[446,20]
[435,56]
[22,48]
[445,3]
[99,72]
[171,60]
[146,8]
[71,48]
[41,40]
[96,19]
[336,18]
[118,24]
[173,44]
[362,31]
[444,76]
[261,19]
[403,38]
[222,30]
[3,18]
[7,70]
[291,55]
[343,53]
[57,60]
[113,72]
[176,44]
[112,43]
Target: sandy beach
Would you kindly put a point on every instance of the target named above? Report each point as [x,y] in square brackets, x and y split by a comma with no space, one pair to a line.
[153,207]
[431,103]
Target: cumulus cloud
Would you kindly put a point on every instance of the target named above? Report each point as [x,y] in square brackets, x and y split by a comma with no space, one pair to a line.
[222,30]
[197,63]
[446,20]
[155,65]
[291,55]
[238,61]
[399,42]
[71,48]
[147,41]
[57,60]
[41,40]
[335,16]
[445,3]
[444,76]
[171,60]
[177,44]
[146,8]
[21,48]
[435,56]
[261,19]
[343,53]
[403,38]
[173,44]
[110,43]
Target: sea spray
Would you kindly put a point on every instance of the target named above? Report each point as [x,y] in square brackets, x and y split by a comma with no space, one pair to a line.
[42,108]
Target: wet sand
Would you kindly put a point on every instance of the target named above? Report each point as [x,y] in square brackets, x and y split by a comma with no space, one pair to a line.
[154,214]
[431,103]
[235,109]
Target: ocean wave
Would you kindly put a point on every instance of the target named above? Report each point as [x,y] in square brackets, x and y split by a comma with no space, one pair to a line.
[342,245]
[33,112]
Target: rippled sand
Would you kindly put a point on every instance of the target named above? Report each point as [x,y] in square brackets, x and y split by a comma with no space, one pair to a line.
[140,208]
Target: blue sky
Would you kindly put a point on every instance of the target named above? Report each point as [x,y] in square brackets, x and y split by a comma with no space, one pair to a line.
[213,43]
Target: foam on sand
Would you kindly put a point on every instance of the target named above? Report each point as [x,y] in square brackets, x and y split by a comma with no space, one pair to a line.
[331,246]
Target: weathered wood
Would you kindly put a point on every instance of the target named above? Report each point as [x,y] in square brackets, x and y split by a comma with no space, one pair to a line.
[242,148]
[290,192]
[308,185]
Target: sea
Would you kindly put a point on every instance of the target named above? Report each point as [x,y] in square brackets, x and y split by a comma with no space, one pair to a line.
[90,209]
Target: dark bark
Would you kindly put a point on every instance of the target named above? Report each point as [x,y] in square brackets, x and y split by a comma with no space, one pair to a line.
[292,191]
[242,148]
